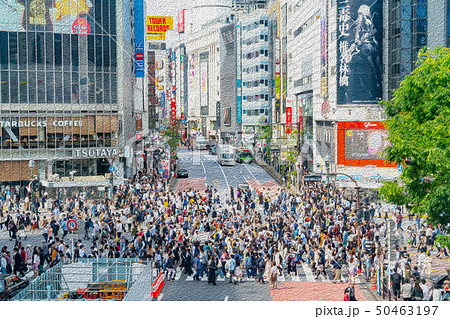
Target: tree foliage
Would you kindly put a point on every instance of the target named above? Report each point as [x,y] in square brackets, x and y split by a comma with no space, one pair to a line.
[173,137]
[419,134]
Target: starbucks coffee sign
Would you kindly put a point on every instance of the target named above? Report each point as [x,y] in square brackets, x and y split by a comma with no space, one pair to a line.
[41,123]
[95,152]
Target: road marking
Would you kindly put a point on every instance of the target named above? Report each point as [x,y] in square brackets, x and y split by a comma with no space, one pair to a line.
[308,273]
[256,180]
[226,181]
[204,171]
[160,297]
[226,298]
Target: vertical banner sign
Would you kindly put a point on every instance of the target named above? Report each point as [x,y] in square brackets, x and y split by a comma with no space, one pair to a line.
[218,114]
[277,80]
[204,83]
[360,34]
[163,103]
[323,48]
[139,38]
[138,122]
[181,23]
[239,109]
[288,119]
[173,110]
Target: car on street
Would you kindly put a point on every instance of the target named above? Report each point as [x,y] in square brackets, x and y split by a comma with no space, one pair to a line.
[182,173]
[213,150]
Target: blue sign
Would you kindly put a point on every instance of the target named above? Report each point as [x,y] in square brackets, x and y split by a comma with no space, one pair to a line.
[139,69]
[239,109]
[112,169]
[173,55]
[163,103]
[160,170]
[400,168]
[166,174]
[359,50]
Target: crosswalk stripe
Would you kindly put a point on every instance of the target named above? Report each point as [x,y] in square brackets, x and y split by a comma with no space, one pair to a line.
[308,273]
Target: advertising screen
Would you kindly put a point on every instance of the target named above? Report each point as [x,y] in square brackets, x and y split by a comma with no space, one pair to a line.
[362,143]
[360,31]
[59,16]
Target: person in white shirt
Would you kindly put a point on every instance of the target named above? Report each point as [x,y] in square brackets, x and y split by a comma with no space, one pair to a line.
[426,290]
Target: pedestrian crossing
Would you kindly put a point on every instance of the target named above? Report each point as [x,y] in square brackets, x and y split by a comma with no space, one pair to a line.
[304,273]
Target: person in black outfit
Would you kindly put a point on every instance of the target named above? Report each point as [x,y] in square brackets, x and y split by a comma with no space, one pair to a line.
[18,263]
[212,271]
[396,279]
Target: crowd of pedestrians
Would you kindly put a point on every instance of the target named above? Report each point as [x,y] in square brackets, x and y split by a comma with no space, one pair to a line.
[245,232]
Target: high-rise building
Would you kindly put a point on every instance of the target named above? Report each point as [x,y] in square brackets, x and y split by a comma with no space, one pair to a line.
[67,86]
[254,54]
[412,25]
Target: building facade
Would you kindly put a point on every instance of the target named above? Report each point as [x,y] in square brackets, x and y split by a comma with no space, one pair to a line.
[256,93]
[203,81]
[67,86]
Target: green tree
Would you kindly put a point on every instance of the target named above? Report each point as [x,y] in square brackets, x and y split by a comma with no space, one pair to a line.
[173,137]
[419,134]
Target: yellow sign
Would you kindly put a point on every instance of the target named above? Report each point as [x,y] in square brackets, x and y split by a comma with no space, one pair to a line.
[156,36]
[159,24]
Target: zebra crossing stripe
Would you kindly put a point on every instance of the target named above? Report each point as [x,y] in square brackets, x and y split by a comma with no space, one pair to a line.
[308,273]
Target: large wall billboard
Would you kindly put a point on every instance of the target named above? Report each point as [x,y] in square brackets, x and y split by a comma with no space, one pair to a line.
[59,16]
[362,143]
[359,51]
[204,82]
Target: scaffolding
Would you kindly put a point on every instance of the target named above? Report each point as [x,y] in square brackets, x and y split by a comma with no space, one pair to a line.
[87,279]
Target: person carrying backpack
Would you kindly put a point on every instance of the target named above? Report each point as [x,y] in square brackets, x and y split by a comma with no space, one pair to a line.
[396,279]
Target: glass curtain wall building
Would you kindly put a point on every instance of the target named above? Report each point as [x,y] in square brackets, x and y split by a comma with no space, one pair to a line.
[408,27]
[61,74]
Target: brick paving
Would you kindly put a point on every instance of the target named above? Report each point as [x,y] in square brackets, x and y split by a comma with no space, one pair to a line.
[308,291]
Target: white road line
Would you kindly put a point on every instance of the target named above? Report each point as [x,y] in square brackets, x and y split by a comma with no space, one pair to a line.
[308,273]
[256,180]
[204,171]
[226,298]
[226,181]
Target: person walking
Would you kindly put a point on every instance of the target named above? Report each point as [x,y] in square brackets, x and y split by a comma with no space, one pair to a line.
[407,290]
[261,267]
[212,267]
[273,276]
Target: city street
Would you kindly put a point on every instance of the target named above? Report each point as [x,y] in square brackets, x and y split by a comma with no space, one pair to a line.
[204,170]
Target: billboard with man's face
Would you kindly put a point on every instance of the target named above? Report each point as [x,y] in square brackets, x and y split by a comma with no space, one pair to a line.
[360,31]
[59,16]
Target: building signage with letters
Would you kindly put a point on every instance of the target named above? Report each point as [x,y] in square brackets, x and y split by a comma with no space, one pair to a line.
[95,152]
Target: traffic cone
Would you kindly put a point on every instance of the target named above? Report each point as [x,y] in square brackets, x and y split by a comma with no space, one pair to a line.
[374,285]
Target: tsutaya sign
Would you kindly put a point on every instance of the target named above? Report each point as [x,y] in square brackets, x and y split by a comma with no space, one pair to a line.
[41,123]
[95,152]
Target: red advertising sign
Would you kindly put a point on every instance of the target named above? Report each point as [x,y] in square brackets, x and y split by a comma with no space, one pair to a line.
[288,114]
[138,136]
[362,143]
[288,119]
[157,285]
[81,26]
[173,109]
[181,21]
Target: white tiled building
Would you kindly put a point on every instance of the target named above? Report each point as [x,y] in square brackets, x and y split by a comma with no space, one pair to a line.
[255,71]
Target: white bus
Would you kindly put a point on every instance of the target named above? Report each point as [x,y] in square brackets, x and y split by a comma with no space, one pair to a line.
[226,155]
[201,143]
